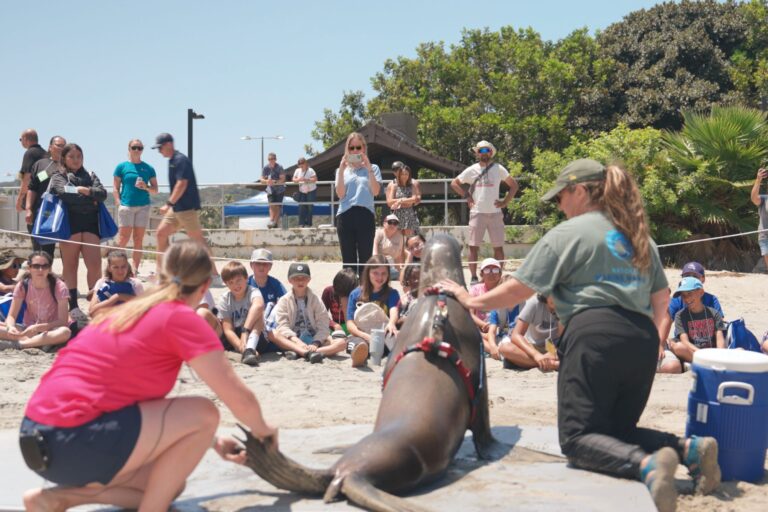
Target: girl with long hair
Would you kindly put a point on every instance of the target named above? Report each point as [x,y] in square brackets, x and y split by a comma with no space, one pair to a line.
[403,194]
[118,284]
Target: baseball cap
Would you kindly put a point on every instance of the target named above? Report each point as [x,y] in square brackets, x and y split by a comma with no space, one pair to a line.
[688,284]
[397,165]
[693,267]
[485,144]
[7,257]
[162,139]
[298,269]
[261,255]
[390,217]
[578,171]
[489,262]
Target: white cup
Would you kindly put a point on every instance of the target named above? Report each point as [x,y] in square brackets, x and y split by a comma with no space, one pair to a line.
[377,346]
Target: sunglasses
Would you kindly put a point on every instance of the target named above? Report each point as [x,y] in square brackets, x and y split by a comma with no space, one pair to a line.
[355,148]
[39,266]
[491,270]
[137,148]
[393,222]
[483,151]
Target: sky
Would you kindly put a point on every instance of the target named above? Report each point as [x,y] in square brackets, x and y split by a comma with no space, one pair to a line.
[101,72]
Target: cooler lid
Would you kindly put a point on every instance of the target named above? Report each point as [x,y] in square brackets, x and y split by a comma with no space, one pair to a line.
[731,360]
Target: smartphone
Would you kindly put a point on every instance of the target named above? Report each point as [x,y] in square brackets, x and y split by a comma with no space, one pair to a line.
[355,158]
[70,189]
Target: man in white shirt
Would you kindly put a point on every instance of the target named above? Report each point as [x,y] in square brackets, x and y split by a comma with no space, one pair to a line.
[479,184]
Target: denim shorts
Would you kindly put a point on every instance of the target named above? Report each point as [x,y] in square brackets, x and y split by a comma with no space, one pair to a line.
[93,452]
[763,247]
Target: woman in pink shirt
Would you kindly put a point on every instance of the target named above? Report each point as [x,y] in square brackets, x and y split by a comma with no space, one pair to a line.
[100,425]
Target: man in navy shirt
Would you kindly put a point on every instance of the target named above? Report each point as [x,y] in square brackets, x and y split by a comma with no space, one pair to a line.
[181,209]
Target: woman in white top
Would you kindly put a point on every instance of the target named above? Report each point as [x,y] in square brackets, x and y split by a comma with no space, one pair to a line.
[306,177]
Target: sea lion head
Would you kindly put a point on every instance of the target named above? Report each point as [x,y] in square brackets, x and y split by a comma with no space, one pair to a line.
[440,260]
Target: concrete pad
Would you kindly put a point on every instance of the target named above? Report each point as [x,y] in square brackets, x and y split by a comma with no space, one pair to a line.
[533,476]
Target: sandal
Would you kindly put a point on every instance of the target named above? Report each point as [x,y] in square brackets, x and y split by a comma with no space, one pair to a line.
[659,476]
[701,461]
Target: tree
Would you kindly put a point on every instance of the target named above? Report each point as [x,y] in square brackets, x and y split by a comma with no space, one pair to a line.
[672,57]
[335,126]
[749,70]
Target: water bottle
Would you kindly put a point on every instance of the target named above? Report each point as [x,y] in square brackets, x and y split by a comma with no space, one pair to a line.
[377,346]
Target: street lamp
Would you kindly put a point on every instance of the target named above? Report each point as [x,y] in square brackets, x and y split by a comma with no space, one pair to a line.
[261,138]
[191,114]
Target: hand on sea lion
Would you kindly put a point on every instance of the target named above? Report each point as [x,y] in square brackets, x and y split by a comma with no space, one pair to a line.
[229,449]
[459,292]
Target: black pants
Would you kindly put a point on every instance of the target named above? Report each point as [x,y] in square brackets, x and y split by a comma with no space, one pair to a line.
[49,248]
[607,365]
[355,229]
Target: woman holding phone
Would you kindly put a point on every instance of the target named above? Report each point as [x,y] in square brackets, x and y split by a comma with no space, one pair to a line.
[358,181]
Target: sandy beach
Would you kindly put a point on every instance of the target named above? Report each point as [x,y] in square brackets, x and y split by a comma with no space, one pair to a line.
[295,394]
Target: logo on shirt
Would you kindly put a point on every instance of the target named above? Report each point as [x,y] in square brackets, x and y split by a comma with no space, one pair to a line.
[618,245]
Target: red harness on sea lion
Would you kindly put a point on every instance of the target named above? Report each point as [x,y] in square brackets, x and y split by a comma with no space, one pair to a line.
[435,345]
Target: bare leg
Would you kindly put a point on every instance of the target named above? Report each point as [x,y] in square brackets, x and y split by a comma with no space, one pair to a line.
[164,231]
[123,235]
[333,347]
[70,254]
[92,258]
[516,356]
[473,252]
[55,336]
[498,253]
[138,245]
[681,351]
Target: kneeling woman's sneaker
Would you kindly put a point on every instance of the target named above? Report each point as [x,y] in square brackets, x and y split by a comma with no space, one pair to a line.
[701,461]
[659,476]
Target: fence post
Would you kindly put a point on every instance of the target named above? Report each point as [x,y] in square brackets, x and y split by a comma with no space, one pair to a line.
[221,204]
[445,203]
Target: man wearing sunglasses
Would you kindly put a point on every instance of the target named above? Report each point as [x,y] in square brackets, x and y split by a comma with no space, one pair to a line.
[479,184]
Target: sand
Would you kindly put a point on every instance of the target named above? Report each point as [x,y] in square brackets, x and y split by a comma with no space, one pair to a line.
[295,394]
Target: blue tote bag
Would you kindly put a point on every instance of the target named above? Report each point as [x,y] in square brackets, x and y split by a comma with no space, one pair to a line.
[52,220]
[107,226]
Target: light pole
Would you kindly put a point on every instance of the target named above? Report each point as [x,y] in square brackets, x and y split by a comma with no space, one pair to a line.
[191,115]
[261,138]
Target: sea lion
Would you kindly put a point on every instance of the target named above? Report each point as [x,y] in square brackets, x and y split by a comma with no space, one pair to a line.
[427,404]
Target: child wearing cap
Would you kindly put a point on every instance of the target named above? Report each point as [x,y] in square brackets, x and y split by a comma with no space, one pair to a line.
[696,325]
[241,313]
[301,318]
[271,289]
[490,275]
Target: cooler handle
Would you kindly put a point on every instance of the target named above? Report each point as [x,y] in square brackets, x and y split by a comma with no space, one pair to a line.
[735,399]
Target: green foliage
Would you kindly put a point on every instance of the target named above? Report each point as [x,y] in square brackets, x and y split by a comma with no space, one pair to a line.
[672,57]
[335,126]
[749,64]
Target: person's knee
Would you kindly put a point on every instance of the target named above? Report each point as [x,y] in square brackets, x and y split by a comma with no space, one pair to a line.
[207,414]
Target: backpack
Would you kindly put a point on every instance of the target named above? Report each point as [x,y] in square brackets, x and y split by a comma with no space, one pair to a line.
[738,336]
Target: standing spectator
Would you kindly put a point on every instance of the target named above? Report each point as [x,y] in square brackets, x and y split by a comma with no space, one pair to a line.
[81,192]
[33,153]
[306,177]
[273,175]
[134,180]
[390,243]
[181,209]
[759,200]
[40,177]
[403,194]
[358,181]
[479,184]
[610,293]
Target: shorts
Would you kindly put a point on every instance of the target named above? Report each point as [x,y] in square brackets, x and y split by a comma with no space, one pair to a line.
[492,222]
[669,357]
[276,197]
[225,342]
[133,216]
[93,452]
[84,223]
[188,220]
[763,246]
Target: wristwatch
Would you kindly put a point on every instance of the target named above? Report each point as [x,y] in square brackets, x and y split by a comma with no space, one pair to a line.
[170,204]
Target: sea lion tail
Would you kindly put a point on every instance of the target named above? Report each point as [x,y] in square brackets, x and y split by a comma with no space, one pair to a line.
[280,471]
[361,492]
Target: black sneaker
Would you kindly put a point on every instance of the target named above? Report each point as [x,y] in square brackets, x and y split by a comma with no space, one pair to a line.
[250,357]
[314,357]
[290,355]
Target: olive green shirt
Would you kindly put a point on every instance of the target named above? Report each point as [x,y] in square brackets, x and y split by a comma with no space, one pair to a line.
[585,263]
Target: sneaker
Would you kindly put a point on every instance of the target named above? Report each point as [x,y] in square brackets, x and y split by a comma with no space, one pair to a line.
[701,461]
[359,354]
[314,357]
[79,317]
[250,357]
[659,476]
[290,355]
[216,282]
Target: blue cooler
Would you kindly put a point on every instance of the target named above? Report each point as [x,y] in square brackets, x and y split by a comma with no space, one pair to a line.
[729,401]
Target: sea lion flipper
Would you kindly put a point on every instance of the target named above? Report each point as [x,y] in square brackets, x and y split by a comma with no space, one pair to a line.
[360,491]
[280,471]
[486,446]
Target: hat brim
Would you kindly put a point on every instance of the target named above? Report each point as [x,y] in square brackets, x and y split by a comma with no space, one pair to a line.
[679,291]
[552,193]
[299,274]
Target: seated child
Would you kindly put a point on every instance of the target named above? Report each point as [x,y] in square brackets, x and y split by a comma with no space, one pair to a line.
[10,264]
[490,275]
[271,289]
[374,288]
[527,347]
[501,321]
[413,248]
[696,326]
[410,282]
[336,298]
[46,298]
[118,284]
[241,313]
[302,321]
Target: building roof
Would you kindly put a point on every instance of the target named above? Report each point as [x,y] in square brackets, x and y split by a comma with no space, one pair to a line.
[385,146]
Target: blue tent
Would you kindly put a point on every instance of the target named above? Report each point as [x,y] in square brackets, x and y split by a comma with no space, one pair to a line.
[257,206]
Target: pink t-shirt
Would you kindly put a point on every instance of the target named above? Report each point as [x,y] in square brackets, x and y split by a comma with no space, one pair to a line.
[42,307]
[475,291]
[101,372]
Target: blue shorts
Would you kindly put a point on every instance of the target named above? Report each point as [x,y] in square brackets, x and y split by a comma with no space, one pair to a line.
[763,247]
[93,452]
